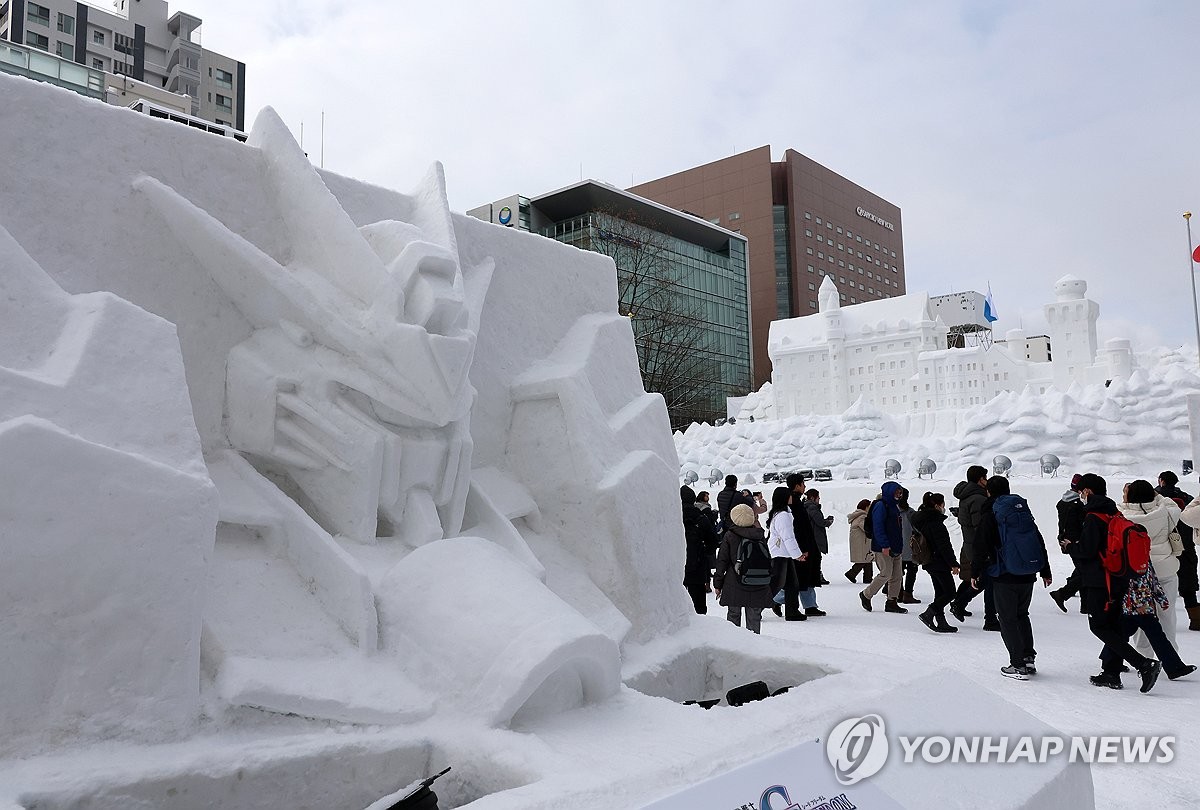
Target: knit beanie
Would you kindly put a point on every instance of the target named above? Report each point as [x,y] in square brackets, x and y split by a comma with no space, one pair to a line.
[742,515]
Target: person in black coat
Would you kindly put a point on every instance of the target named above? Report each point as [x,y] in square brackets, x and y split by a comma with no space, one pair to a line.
[1101,594]
[808,571]
[731,592]
[930,521]
[700,538]
[1070,526]
[729,498]
[1189,584]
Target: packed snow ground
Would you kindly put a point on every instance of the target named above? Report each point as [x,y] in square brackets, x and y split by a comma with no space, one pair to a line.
[1059,694]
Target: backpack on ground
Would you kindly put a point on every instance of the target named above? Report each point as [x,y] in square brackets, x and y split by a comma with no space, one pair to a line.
[1127,551]
[753,563]
[1022,550]
[922,554]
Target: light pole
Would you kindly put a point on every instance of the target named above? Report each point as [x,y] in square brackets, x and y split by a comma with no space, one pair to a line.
[1187,216]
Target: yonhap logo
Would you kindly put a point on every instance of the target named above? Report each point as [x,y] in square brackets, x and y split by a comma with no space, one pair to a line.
[857,748]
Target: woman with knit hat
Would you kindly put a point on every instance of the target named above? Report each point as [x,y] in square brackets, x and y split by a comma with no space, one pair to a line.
[728,583]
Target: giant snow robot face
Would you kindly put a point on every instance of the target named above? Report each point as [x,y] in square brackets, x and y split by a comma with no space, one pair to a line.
[355,381]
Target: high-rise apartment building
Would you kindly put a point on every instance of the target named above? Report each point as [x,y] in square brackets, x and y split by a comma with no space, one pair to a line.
[803,223]
[134,38]
[680,280]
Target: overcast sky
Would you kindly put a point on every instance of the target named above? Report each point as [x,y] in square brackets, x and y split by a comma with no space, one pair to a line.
[1022,140]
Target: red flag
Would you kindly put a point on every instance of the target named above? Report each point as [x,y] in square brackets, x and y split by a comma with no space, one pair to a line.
[1196,254]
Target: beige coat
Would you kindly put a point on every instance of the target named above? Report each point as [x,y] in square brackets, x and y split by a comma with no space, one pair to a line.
[860,544]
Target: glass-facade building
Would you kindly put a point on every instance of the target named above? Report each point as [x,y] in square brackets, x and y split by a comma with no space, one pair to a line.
[681,281]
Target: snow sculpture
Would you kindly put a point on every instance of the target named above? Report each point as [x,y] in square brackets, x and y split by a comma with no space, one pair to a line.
[104,488]
[355,380]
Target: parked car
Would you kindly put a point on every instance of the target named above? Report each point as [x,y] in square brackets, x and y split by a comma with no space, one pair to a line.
[824,474]
[773,477]
[807,475]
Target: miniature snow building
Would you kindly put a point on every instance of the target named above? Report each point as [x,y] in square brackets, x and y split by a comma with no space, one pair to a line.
[893,353]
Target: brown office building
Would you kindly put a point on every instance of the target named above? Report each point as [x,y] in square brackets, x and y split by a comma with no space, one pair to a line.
[802,222]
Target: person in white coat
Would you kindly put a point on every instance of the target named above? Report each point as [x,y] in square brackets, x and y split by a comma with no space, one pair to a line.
[1159,516]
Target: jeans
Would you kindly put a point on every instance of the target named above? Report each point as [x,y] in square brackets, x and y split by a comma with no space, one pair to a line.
[1012,608]
[890,569]
[808,598]
[1149,628]
[753,617]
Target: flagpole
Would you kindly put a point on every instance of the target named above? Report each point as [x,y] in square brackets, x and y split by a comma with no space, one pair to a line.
[1187,216]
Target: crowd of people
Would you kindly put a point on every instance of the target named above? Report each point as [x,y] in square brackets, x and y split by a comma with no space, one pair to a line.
[1132,562]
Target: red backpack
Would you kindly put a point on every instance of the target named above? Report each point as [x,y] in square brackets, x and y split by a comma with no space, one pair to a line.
[1127,553]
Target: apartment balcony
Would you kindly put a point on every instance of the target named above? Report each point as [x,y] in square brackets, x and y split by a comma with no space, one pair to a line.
[35,64]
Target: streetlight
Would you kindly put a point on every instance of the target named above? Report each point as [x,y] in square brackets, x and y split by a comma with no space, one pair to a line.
[1187,216]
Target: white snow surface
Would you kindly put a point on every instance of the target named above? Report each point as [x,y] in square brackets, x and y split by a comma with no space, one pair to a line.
[1137,423]
[390,497]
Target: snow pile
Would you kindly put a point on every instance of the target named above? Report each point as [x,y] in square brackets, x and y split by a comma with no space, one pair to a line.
[1141,422]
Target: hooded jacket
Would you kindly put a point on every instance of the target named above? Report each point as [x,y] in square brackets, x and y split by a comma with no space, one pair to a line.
[885,521]
[820,525]
[1158,517]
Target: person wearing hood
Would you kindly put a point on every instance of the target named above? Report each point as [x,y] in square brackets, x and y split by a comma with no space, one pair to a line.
[1189,585]
[930,521]
[860,544]
[886,545]
[698,535]
[1070,525]
[972,495]
[1102,595]
[731,592]
[1159,516]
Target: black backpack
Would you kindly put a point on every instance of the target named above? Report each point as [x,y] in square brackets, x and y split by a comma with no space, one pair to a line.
[869,523]
[753,563]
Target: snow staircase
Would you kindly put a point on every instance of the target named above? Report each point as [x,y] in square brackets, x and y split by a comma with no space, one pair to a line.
[290,625]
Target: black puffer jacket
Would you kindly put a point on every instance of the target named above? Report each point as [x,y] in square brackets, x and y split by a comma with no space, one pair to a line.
[698,534]
[931,523]
[971,500]
[1093,539]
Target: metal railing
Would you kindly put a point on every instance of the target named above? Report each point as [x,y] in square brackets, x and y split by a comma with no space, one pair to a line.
[35,64]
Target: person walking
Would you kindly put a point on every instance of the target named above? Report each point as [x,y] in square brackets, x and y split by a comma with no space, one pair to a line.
[910,567]
[808,569]
[1070,525]
[972,495]
[699,539]
[708,520]
[1158,516]
[1010,550]
[733,590]
[1103,595]
[1144,603]
[728,498]
[886,547]
[1168,487]
[785,554]
[860,544]
[820,526]
[930,521]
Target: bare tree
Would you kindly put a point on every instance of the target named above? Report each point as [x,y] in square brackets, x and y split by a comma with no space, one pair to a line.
[675,342]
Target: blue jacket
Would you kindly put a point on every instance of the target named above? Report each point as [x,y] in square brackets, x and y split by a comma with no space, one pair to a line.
[885,522]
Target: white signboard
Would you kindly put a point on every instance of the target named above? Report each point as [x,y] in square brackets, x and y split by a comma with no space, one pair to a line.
[800,778]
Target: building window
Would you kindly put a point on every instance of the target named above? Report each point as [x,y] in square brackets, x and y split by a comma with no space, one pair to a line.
[225,79]
[807,215]
[810,251]
[37,41]
[38,14]
[65,51]
[810,268]
[808,233]
[820,238]
[812,305]
[812,286]
[66,24]
[122,44]
[224,103]
[97,37]
[97,63]
[121,69]
[818,220]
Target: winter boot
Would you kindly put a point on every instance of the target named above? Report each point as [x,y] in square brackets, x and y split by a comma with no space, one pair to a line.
[958,613]
[943,626]
[814,611]
[892,607]
[927,619]
[866,601]
[1194,615]
[906,598]
[852,574]
[1060,599]
[991,623]
[1110,679]
[1149,675]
